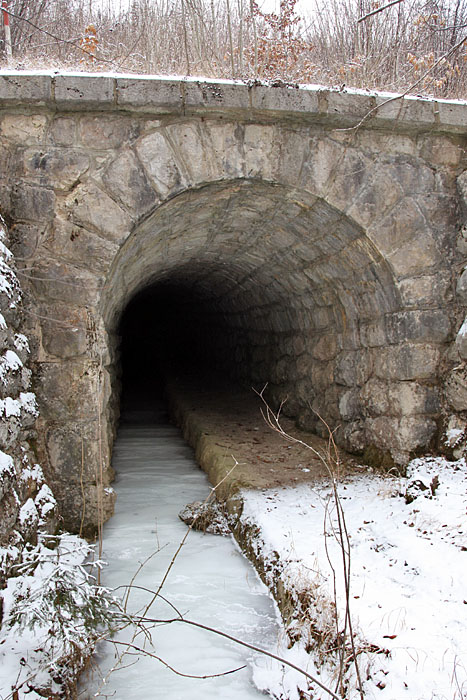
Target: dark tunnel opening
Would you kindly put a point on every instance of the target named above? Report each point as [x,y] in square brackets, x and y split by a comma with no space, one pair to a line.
[165,332]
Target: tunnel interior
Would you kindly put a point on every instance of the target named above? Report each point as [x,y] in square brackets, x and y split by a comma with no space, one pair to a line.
[257,283]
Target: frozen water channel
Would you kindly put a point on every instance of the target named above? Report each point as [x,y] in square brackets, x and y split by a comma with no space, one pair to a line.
[211,582]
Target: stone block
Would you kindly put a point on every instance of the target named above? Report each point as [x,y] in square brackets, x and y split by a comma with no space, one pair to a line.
[92,208]
[353,368]
[284,100]
[324,156]
[419,255]
[18,88]
[225,141]
[373,334]
[461,340]
[461,288]
[379,193]
[410,112]
[350,405]
[107,131]
[202,95]
[440,150]
[426,290]
[351,175]
[345,106]
[73,455]
[260,151]
[408,361]
[59,281]
[24,239]
[67,391]
[431,326]
[411,398]
[456,388]
[126,180]
[75,244]
[59,168]
[32,203]
[325,348]
[84,91]
[416,432]
[64,330]
[374,397]
[23,129]
[462,189]
[187,141]
[62,131]
[451,116]
[154,95]
[159,160]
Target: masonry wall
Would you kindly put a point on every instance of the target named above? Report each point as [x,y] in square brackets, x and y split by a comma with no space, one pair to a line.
[297,244]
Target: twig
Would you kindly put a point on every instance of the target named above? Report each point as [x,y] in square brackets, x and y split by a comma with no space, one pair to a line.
[378,9]
[171,668]
[248,646]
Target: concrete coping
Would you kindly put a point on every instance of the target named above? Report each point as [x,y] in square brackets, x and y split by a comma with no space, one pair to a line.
[163,95]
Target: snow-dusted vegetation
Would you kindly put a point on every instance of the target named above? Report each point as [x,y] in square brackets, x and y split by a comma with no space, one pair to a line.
[50,606]
[397,46]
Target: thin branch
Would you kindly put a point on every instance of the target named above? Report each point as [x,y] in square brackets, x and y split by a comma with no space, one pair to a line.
[171,668]
[378,9]
[244,644]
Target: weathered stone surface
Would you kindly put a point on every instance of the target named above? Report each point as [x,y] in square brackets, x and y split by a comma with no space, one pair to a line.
[25,89]
[456,388]
[418,326]
[74,243]
[411,398]
[55,167]
[461,340]
[64,330]
[426,290]
[94,209]
[461,288]
[62,131]
[126,180]
[67,388]
[161,96]
[408,361]
[63,282]
[462,189]
[77,91]
[32,203]
[24,129]
[158,158]
[72,453]
[104,132]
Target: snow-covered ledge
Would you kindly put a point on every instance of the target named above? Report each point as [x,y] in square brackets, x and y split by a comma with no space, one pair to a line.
[190,95]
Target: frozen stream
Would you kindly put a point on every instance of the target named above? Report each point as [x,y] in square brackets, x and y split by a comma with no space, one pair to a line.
[211,582]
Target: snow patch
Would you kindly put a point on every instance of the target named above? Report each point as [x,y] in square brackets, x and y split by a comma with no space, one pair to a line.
[407,593]
[7,465]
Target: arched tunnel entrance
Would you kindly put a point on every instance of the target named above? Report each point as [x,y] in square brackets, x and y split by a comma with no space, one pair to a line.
[260,283]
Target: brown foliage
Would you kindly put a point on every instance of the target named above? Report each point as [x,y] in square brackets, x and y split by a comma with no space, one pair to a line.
[390,49]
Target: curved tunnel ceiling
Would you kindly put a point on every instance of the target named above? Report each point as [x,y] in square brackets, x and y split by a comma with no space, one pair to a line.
[281,257]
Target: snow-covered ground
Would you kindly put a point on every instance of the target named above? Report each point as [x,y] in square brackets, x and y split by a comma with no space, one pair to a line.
[408,558]
[408,595]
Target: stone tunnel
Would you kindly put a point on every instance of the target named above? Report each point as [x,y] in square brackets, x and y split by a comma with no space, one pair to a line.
[310,240]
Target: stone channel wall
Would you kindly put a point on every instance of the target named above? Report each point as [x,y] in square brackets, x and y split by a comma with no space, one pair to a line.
[311,239]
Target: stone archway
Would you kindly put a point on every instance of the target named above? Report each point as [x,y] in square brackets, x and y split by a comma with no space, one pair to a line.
[325,258]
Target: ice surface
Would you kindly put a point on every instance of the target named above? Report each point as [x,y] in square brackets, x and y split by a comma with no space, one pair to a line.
[210,582]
